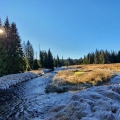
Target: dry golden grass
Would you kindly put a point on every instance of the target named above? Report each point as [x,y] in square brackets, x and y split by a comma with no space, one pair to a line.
[38,72]
[114,67]
[92,73]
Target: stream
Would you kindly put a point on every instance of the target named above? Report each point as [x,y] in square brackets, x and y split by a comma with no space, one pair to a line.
[28,101]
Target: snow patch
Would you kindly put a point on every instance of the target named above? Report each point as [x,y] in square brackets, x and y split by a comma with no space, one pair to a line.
[96,103]
[13,79]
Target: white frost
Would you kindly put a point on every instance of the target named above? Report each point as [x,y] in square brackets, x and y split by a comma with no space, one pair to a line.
[9,80]
[96,103]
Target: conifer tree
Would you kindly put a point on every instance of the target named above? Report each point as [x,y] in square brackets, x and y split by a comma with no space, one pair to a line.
[96,58]
[58,61]
[45,59]
[118,57]
[36,64]
[6,43]
[3,55]
[13,48]
[50,60]
[55,62]
[29,53]
[41,59]
[62,61]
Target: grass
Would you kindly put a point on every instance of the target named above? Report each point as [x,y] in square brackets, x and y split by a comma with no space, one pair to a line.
[87,74]
[38,72]
[114,67]
[79,73]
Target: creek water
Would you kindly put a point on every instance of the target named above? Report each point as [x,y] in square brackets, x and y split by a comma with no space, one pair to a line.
[28,100]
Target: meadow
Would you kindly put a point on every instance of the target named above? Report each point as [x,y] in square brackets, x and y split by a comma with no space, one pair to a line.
[92,73]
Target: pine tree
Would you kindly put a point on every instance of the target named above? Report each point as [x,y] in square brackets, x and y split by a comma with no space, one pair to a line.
[50,60]
[69,61]
[96,57]
[45,60]
[15,50]
[62,61]
[41,58]
[107,57]
[102,57]
[55,62]
[80,61]
[3,58]
[29,54]
[118,57]
[36,64]
[113,57]
[6,44]
[7,27]
[24,49]
[58,62]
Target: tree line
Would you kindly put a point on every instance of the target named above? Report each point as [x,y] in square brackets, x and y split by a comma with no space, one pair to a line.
[11,54]
[16,57]
[97,57]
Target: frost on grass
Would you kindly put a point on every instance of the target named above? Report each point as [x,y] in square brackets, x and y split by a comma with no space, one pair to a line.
[9,80]
[96,103]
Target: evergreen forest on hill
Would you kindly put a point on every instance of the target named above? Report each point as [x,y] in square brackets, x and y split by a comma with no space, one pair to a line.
[17,57]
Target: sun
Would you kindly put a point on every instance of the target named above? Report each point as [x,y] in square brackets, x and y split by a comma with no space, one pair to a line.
[1,31]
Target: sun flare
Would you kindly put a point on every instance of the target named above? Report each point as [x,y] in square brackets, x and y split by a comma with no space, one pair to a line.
[1,31]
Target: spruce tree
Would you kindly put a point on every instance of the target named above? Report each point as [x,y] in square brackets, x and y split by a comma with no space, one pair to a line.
[118,57]
[58,62]
[96,57]
[55,62]
[50,60]
[41,58]
[29,53]
[15,50]
[36,64]
[3,55]
[62,61]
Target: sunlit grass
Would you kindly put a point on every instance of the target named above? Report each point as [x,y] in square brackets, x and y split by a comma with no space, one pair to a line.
[93,76]
[114,67]
[79,73]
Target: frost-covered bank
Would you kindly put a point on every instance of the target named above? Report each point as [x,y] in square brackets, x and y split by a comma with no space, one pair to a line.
[78,79]
[9,80]
[96,103]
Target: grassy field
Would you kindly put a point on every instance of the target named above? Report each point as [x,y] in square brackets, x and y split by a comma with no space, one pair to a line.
[114,67]
[94,74]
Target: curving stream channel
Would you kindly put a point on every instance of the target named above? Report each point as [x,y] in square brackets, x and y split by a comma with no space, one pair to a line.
[28,101]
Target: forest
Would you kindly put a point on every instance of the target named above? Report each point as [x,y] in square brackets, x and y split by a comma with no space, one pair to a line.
[17,57]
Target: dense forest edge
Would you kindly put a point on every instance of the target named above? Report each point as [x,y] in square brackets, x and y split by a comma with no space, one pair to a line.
[17,57]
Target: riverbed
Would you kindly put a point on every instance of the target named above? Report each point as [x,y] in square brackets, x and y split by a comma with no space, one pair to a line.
[28,100]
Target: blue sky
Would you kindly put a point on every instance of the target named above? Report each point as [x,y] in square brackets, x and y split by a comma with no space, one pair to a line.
[70,28]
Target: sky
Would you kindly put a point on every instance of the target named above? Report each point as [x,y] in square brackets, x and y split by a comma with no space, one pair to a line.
[70,28]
